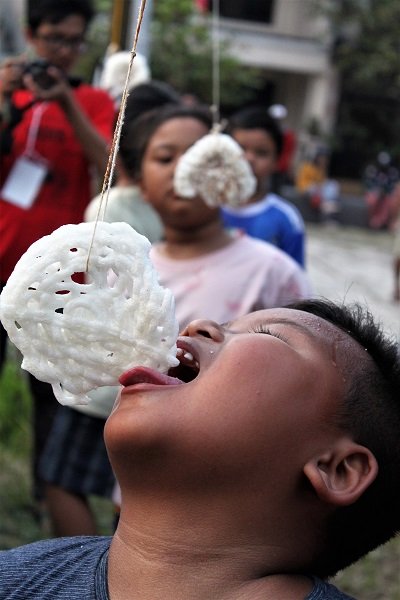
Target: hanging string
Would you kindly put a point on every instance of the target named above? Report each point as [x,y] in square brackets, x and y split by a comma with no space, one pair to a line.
[112,157]
[216,84]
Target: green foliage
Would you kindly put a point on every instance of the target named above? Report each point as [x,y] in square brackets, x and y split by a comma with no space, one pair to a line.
[14,409]
[98,37]
[367,48]
[366,51]
[181,54]
[22,520]
[103,6]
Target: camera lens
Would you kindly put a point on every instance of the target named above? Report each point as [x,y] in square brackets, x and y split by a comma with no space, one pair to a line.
[38,70]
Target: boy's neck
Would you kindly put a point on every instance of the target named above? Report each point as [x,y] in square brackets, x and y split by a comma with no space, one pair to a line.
[164,552]
[169,569]
[124,181]
[262,190]
[184,244]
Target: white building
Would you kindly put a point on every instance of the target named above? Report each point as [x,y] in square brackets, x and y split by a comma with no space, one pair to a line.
[12,40]
[292,46]
[288,42]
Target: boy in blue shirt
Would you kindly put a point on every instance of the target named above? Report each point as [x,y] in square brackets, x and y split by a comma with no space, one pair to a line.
[266,215]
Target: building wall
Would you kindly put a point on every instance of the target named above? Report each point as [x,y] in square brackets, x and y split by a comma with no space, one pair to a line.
[12,15]
[294,53]
[294,18]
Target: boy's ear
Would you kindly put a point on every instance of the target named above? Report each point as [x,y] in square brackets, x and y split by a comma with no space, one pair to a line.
[342,474]
[29,34]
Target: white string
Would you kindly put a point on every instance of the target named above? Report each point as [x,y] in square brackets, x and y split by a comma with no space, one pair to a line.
[112,158]
[216,83]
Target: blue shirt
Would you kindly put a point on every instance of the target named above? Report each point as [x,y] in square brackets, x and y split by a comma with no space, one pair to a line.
[273,220]
[76,569]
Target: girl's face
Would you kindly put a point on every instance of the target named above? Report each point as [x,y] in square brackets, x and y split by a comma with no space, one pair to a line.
[163,150]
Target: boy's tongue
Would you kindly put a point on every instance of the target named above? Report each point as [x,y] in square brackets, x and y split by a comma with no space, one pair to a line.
[147,375]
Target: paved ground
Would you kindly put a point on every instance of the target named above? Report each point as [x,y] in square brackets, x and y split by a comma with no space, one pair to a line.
[346,263]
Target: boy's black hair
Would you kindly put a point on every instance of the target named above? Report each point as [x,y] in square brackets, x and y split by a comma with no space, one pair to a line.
[257,117]
[150,121]
[54,11]
[142,98]
[371,412]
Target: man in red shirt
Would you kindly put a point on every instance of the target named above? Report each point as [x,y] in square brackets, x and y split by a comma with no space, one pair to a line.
[55,132]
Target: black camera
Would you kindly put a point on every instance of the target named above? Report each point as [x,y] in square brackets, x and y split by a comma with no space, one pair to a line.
[38,70]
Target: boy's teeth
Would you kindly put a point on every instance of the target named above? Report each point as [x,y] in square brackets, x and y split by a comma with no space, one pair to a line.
[187,357]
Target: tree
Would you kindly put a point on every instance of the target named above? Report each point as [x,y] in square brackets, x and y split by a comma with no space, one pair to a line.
[181,54]
[366,50]
[367,44]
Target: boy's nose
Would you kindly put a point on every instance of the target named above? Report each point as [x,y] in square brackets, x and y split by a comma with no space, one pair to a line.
[205,328]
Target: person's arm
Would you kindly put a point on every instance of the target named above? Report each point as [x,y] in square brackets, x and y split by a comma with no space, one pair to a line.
[286,282]
[10,77]
[395,205]
[304,177]
[10,115]
[292,242]
[93,144]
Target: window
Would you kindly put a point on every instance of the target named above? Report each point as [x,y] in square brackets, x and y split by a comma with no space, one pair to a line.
[259,11]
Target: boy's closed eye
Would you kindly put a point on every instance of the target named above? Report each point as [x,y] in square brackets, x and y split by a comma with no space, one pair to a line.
[262,328]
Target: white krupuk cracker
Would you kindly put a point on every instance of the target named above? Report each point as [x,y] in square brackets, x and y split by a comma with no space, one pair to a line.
[215,169]
[80,336]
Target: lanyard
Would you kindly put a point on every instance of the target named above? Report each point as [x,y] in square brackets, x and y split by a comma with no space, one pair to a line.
[37,114]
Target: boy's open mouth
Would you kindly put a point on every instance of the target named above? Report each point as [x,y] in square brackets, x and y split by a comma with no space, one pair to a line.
[186,371]
[188,367]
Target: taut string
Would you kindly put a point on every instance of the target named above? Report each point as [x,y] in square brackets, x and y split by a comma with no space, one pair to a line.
[216,83]
[112,158]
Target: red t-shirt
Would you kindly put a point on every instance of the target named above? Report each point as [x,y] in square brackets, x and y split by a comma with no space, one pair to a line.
[66,191]
[286,157]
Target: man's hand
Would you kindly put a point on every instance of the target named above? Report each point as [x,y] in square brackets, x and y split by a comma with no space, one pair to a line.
[10,75]
[51,85]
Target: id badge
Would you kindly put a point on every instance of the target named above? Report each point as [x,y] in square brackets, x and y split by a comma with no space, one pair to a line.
[24,182]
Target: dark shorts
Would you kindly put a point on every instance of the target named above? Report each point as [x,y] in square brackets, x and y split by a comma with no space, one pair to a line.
[3,338]
[75,456]
[44,410]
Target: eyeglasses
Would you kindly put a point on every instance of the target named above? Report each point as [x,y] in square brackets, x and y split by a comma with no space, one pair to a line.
[58,41]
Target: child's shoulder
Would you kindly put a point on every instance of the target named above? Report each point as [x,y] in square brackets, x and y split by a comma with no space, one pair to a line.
[283,205]
[55,563]
[55,545]
[323,590]
[250,246]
